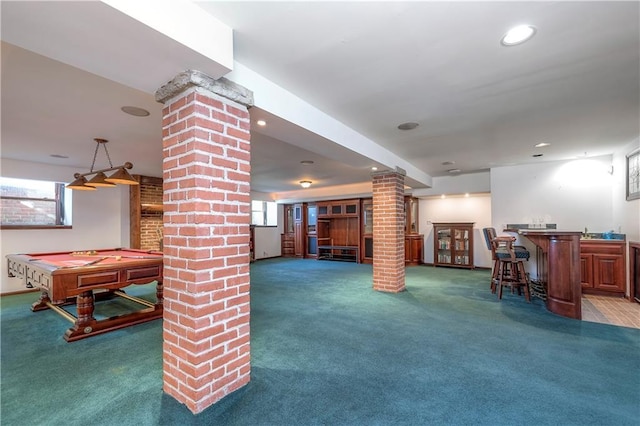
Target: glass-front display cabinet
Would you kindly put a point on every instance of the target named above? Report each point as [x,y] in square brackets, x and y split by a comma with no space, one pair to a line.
[453,244]
[367,231]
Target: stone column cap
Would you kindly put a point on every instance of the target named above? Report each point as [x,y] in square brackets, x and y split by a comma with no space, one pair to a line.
[193,78]
[397,171]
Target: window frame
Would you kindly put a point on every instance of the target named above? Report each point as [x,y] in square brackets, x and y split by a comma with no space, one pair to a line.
[265,213]
[59,200]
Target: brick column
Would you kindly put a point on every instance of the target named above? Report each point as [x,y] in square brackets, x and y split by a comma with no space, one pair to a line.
[206,172]
[388,231]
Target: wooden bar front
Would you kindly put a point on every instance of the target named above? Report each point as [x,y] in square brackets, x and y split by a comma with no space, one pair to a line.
[558,258]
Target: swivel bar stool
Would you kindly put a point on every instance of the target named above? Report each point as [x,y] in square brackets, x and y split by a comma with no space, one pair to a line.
[511,271]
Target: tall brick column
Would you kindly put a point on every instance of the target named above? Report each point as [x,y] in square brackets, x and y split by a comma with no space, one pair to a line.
[388,231]
[206,171]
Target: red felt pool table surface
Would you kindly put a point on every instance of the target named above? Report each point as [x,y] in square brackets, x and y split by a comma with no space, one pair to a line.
[93,257]
[72,277]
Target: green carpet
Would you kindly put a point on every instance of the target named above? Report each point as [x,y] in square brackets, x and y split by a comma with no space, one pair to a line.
[328,350]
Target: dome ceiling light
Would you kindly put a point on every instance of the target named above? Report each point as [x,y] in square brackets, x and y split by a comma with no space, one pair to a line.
[518,35]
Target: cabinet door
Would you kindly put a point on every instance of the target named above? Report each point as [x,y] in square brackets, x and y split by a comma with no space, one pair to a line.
[443,245]
[413,249]
[461,246]
[608,272]
[312,231]
[351,208]
[323,210]
[586,270]
[299,230]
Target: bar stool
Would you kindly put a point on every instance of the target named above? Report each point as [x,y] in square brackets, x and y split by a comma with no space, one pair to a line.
[489,237]
[511,272]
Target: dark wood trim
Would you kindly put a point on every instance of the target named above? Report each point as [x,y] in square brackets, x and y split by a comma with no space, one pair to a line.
[36,227]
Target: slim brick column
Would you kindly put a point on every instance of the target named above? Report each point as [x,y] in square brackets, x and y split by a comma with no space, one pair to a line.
[388,231]
[206,171]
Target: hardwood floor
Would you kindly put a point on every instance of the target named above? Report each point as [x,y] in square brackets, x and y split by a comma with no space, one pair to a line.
[610,310]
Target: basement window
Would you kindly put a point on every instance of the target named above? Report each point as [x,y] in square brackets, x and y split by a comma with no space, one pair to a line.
[34,204]
[264,213]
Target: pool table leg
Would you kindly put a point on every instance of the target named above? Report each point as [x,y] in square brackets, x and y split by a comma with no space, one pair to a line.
[159,293]
[41,304]
[86,306]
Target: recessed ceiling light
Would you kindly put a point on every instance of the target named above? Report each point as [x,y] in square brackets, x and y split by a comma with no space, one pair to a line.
[135,111]
[517,35]
[448,163]
[541,145]
[261,123]
[454,170]
[58,156]
[374,168]
[537,155]
[306,162]
[408,126]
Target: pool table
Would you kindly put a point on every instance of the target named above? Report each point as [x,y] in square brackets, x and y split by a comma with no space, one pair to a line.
[67,278]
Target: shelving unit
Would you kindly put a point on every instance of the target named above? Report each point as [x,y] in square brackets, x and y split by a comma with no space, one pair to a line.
[453,244]
[146,213]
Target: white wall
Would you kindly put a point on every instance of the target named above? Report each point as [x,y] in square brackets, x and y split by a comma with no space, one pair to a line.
[266,242]
[626,214]
[573,194]
[98,219]
[475,208]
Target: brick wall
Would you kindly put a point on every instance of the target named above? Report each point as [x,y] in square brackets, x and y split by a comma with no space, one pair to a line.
[150,221]
[388,232]
[206,236]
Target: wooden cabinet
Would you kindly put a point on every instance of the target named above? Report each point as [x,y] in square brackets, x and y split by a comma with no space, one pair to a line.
[299,231]
[288,237]
[413,249]
[634,271]
[411,215]
[413,242]
[453,244]
[366,251]
[343,229]
[312,231]
[602,266]
[339,208]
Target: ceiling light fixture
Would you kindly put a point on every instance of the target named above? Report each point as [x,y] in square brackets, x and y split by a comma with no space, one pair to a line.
[135,111]
[100,179]
[454,170]
[408,126]
[517,35]
[306,162]
[541,145]
[305,183]
[448,163]
[261,123]
[374,168]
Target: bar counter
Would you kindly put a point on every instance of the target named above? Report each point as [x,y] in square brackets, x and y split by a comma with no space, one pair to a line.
[558,266]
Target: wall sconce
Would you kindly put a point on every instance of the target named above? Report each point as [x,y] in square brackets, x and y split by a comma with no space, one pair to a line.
[121,175]
[305,183]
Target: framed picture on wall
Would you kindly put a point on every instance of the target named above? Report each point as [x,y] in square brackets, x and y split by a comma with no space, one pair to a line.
[633,175]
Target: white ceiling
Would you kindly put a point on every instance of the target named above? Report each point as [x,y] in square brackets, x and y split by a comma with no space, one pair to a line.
[369,65]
